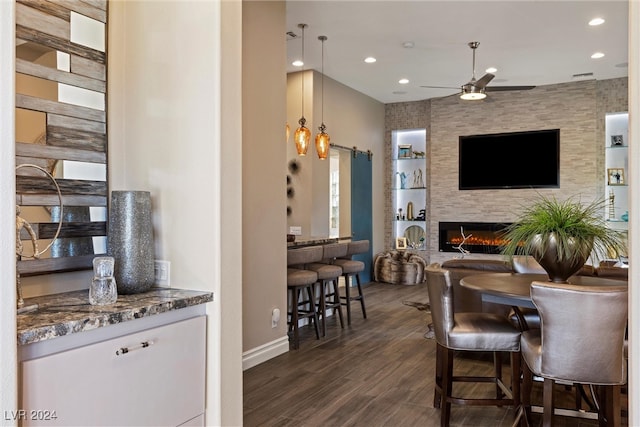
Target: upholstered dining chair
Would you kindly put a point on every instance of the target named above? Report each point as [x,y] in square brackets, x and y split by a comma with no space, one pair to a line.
[581,340]
[526,264]
[474,332]
[352,268]
[300,290]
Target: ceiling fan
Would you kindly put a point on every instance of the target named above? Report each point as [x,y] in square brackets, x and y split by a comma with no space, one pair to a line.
[475,89]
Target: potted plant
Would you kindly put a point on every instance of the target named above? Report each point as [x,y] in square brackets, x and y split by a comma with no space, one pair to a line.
[562,235]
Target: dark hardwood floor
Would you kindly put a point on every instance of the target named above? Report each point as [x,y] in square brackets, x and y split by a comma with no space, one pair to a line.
[377,372]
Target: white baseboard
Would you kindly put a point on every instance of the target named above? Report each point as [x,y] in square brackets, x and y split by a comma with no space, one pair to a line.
[265,352]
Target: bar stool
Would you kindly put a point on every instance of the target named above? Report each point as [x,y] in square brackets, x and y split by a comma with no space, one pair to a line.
[328,275]
[300,280]
[351,268]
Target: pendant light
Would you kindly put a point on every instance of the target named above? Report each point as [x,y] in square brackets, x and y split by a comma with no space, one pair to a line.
[323,138]
[302,135]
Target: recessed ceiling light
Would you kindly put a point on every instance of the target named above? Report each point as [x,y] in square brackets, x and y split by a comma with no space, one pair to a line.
[370,60]
[491,70]
[597,55]
[622,65]
[403,81]
[596,21]
[297,63]
[408,45]
[398,92]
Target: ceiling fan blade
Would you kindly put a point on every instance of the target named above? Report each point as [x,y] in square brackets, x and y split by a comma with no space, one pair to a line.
[507,88]
[484,80]
[442,87]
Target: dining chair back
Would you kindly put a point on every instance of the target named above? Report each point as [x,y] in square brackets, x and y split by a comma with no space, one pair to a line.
[475,332]
[580,340]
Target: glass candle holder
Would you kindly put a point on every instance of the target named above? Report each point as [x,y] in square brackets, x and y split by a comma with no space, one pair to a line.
[103,289]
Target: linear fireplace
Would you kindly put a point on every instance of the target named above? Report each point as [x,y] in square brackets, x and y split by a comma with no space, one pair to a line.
[481,237]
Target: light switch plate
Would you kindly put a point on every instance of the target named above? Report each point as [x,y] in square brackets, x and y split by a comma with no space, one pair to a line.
[162,273]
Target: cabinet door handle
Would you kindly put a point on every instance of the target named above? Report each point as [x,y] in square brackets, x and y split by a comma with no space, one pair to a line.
[125,350]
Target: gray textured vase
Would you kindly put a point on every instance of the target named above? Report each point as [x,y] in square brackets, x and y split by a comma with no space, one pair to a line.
[130,240]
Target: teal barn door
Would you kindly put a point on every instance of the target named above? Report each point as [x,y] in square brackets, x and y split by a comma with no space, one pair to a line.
[361,208]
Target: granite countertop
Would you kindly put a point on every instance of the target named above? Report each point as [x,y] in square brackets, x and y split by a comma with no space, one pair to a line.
[311,241]
[70,312]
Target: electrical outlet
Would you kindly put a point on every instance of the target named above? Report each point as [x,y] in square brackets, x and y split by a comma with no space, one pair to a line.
[162,273]
[275,317]
[295,230]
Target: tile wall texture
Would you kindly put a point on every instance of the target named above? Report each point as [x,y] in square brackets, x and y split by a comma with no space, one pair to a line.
[577,109]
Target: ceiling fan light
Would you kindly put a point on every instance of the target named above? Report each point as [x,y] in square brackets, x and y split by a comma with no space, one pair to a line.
[472,93]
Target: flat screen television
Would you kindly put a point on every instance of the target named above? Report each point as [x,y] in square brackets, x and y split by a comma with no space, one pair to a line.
[509,160]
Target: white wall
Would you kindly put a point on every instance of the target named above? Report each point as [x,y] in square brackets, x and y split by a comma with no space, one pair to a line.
[165,137]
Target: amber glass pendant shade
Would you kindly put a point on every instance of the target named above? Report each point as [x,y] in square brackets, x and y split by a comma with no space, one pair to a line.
[302,138]
[322,143]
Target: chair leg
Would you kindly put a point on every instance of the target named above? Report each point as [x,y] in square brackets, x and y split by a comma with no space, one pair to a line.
[347,298]
[437,389]
[447,385]
[293,325]
[335,302]
[548,402]
[497,369]
[322,303]
[515,378]
[361,296]
[527,385]
[610,413]
[312,308]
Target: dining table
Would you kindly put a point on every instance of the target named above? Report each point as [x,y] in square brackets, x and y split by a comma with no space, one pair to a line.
[514,289]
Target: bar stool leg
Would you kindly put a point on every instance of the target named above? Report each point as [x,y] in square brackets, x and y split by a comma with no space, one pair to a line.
[335,302]
[293,325]
[361,296]
[347,298]
[322,304]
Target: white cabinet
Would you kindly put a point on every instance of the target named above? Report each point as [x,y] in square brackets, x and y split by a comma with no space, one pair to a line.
[409,190]
[154,377]
[617,169]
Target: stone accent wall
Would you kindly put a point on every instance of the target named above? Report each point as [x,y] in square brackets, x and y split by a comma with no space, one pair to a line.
[576,108]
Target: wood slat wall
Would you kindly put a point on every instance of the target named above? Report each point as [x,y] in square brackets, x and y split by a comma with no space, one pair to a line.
[73,132]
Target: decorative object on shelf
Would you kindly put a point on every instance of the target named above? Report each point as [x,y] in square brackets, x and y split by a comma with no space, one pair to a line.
[399,216]
[322,139]
[615,176]
[418,181]
[22,223]
[401,243]
[291,238]
[418,154]
[103,289]
[404,151]
[410,211]
[612,198]
[462,250]
[302,135]
[415,236]
[421,215]
[562,235]
[617,140]
[403,180]
[625,216]
[72,246]
[130,240]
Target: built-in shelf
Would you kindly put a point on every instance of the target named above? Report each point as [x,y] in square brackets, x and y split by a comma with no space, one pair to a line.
[413,197]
